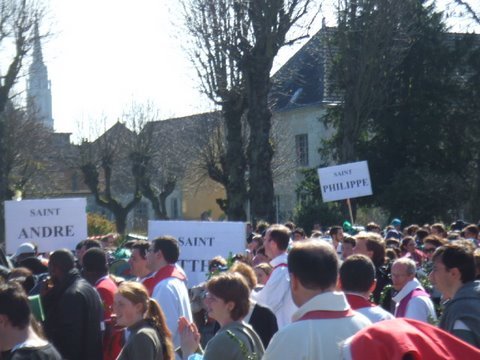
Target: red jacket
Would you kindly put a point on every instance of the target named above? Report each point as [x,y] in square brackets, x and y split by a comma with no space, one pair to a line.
[112,336]
[393,339]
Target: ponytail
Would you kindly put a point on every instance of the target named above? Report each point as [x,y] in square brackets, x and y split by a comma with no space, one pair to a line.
[152,314]
[156,318]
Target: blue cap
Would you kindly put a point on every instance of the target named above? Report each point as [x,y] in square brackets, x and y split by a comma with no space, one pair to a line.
[396,222]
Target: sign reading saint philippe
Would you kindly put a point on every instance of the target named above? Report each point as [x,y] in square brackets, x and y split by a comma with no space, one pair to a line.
[345,181]
[49,223]
[200,241]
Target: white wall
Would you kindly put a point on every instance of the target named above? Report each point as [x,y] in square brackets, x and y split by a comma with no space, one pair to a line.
[287,174]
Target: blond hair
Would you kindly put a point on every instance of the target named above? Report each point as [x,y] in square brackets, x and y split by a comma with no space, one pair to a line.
[136,293]
[247,272]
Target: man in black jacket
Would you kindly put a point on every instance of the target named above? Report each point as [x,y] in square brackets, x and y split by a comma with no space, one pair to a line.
[73,311]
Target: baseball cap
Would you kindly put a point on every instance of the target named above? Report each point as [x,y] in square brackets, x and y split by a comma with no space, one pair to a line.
[25,248]
[396,222]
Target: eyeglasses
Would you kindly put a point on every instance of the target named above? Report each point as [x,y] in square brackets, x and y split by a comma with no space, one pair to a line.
[210,297]
[398,275]
[429,250]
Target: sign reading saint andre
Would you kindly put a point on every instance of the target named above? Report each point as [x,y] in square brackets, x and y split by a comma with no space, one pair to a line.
[345,181]
[200,241]
[50,223]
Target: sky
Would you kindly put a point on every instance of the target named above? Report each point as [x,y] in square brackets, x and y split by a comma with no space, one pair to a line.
[104,55]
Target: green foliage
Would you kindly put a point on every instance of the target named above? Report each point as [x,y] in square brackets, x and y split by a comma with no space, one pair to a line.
[311,209]
[99,225]
[412,131]
[423,195]
[221,269]
[243,348]
[414,149]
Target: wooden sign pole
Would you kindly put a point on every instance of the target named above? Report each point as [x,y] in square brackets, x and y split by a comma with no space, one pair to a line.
[350,211]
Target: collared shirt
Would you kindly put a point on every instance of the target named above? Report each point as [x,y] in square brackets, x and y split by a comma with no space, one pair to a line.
[420,307]
[317,338]
[328,301]
[373,313]
[276,292]
[172,295]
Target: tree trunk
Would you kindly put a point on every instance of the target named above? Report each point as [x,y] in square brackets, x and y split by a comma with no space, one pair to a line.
[120,212]
[162,214]
[156,201]
[162,199]
[260,151]
[121,220]
[349,136]
[3,175]
[235,162]
[4,97]
[474,208]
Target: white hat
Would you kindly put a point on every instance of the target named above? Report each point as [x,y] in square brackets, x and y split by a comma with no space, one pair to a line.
[25,248]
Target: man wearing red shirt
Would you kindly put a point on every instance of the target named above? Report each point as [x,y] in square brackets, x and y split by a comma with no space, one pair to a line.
[95,271]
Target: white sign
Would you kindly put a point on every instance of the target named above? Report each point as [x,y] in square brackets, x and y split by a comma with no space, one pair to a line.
[49,223]
[345,181]
[200,241]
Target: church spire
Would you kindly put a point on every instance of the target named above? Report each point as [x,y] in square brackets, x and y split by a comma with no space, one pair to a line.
[37,47]
[39,96]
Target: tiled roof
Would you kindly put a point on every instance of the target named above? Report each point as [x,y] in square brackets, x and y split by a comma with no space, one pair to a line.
[302,81]
[305,78]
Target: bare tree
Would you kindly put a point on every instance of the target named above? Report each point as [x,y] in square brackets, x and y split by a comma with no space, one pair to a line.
[27,159]
[177,143]
[104,164]
[270,22]
[215,27]
[211,159]
[234,44]
[17,35]
[156,171]
[471,7]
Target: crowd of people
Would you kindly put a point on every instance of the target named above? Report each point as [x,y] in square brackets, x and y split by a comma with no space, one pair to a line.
[344,292]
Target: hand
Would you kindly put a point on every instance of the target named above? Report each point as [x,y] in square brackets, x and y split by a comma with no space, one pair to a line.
[45,286]
[189,337]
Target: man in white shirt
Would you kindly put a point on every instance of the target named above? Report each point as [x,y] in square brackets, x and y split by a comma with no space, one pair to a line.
[336,232]
[324,318]
[357,280]
[412,301]
[276,292]
[166,284]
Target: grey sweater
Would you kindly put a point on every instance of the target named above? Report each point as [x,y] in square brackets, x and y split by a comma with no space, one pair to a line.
[223,346]
[143,343]
[464,306]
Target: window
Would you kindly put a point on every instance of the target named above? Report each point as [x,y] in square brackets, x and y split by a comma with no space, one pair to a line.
[301,147]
